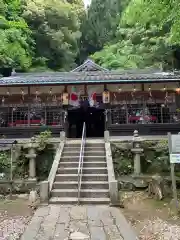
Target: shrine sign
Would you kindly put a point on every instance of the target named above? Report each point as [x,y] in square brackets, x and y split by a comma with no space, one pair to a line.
[175,143]
[175,158]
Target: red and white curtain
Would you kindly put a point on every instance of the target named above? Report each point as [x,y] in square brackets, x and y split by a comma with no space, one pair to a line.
[92,96]
[74,97]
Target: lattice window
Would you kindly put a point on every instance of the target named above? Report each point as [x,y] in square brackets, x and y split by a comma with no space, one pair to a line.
[54,116]
[145,114]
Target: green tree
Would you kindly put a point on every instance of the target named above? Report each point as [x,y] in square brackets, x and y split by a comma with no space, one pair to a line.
[163,13]
[15,37]
[100,24]
[55,30]
[147,36]
[136,47]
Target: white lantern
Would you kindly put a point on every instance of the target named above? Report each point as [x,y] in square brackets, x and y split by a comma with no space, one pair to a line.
[106,96]
[65,98]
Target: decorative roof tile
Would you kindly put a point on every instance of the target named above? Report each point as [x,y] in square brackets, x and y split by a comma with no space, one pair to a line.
[89,66]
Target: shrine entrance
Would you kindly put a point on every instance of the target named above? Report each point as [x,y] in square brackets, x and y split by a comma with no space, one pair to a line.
[94,119]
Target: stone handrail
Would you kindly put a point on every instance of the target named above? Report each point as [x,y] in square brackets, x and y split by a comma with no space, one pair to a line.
[111,175]
[55,164]
[113,183]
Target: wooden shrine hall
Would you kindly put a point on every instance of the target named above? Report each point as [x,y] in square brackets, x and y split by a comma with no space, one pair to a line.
[118,101]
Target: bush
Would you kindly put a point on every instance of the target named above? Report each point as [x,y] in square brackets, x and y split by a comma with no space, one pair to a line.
[155,158]
[44,159]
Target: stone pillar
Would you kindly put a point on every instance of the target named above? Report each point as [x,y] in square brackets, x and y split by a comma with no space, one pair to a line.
[32,164]
[44,192]
[62,136]
[137,150]
[114,193]
[31,146]
[106,136]
[137,164]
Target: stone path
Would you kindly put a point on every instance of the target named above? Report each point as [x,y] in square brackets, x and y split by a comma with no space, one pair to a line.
[57,222]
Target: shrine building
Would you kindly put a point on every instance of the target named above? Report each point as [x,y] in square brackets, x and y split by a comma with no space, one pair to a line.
[120,102]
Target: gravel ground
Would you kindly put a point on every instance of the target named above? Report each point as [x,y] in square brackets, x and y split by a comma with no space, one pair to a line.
[151,220]
[11,228]
[158,229]
[14,216]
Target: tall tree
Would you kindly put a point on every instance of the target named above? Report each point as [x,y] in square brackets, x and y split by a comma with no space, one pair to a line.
[56,32]
[15,37]
[147,36]
[100,24]
[136,47]
[163,13]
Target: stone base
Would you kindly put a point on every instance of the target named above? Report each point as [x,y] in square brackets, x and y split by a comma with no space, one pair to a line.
[18,186]
[131,182]
[32,179]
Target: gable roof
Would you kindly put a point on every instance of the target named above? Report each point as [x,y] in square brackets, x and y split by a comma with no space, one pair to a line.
[89,66]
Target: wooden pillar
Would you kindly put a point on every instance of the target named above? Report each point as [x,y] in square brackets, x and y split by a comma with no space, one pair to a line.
[29,104]
[142,87]
[65,108]
[85,90]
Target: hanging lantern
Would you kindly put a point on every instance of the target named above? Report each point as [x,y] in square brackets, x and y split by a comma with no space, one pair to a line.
[177,90]
[8,92]
[54,98]
[3,100]
[106,96]
[37,93]
[22,93]
[166,97]
[65,98]
[120,89]
[150,94]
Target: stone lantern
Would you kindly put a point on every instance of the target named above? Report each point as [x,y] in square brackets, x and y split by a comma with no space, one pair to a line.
[137,150]
[32,146]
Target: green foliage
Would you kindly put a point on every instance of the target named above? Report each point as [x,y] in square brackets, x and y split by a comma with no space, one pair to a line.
[44,159]
[147,36]
[155,158]
[5,163]
[15,37]
[55,27]
[44,162]
[40,34]
[164,14]
[136,48]
[43,139]
[100,24]
[122,159]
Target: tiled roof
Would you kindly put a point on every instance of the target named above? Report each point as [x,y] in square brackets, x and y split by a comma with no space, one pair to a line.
[53,78]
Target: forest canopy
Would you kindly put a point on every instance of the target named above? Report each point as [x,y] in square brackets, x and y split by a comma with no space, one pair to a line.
[57,35]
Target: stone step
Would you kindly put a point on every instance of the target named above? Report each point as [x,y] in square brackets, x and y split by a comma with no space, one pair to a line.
[86,159]
[84,193]
[84,185]
[95,144]
[65,200]
[85,177]
[85,164]
[87,144]
[71,145]
[84,170]
[86,153]
[67,148]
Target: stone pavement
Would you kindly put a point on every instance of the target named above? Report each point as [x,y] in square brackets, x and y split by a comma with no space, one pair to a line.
[61,222]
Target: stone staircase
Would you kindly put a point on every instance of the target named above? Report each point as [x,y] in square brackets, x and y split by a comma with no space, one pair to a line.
[94,187]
